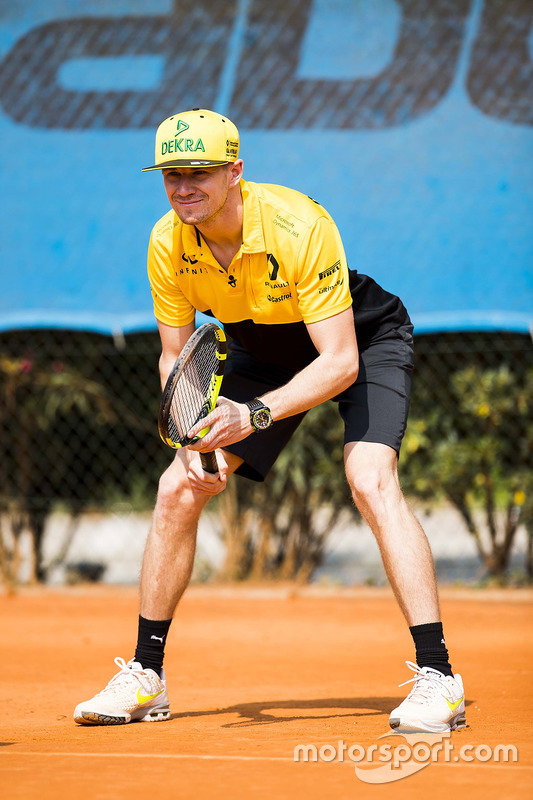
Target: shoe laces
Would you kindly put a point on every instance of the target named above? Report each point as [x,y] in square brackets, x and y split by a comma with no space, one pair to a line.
[130,672]
[427,683]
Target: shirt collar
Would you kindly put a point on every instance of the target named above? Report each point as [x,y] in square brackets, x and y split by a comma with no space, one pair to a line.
[191,240]
[253,236]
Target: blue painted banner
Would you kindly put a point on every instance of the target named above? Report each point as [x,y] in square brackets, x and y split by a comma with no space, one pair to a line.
[410,120]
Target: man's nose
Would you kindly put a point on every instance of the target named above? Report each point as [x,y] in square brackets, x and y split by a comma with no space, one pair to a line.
[184,187]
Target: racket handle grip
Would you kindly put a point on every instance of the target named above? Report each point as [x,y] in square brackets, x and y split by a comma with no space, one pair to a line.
[209,462]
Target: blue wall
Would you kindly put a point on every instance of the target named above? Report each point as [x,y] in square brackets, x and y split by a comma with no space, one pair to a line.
[410,120]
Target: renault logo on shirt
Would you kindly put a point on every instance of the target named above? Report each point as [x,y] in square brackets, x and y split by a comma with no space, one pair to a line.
[274,267]
[273,275]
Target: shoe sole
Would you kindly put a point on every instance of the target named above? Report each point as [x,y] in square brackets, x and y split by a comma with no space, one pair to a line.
[93,718]
[415,726]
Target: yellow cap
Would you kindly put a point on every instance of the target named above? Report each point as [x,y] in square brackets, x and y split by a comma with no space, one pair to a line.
[197,138]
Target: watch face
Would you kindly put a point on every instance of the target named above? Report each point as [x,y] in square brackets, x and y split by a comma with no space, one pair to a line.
[262,419]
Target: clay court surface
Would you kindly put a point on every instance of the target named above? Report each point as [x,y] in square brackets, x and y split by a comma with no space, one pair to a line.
[253,672]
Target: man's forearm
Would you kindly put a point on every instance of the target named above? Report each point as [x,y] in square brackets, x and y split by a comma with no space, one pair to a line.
[325,377]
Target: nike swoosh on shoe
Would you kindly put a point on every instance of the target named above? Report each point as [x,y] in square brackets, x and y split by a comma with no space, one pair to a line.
[145,698]
[453,706]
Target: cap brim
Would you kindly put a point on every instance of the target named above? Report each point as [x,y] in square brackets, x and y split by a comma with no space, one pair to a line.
[190,163]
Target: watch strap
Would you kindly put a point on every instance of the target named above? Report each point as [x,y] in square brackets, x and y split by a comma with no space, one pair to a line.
[256,405]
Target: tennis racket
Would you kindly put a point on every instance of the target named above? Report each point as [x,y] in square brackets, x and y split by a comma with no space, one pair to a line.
[192,388]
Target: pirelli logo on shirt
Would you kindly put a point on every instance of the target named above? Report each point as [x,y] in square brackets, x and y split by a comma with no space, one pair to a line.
[327,273]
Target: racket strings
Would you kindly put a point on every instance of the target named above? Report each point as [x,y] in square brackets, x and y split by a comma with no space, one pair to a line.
[191,392]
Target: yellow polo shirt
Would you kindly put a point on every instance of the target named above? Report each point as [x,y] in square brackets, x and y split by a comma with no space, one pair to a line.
[291,266]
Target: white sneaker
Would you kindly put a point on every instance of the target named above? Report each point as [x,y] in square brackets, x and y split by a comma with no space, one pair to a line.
[133,694]
[435,704]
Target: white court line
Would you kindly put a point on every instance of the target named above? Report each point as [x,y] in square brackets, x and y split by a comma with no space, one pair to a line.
[152,755]
[198,756]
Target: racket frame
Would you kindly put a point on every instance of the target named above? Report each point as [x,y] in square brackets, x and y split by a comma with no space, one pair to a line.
[209,463]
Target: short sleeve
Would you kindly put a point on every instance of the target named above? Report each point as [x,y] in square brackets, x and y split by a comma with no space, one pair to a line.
[322,278]
[170,304]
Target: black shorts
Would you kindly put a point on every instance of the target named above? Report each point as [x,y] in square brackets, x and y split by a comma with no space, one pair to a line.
[374,408]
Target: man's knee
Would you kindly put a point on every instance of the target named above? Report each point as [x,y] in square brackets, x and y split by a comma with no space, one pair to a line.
[373,480]
[370,489]
[175,492]
[171,488]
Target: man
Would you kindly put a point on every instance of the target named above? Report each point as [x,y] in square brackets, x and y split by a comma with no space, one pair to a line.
[269,263]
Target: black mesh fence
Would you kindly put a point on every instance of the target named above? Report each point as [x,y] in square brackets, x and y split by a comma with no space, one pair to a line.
[420,72]
[78,423]
[78,411]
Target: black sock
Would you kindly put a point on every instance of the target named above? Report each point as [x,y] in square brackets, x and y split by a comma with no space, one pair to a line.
[151,643]
[431,647]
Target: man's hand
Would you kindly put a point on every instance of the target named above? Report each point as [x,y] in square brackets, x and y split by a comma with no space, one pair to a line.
[206,482]
[228,423]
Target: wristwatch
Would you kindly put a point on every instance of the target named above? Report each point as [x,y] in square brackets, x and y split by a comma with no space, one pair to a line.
[260,416]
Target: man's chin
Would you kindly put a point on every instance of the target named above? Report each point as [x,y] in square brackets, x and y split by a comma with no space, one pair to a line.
[190,217]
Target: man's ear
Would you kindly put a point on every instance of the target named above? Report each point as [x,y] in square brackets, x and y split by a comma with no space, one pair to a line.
[235,171]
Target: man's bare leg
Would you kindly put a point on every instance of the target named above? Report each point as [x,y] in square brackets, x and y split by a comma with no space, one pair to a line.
[372,473]
[436,700]
[138,691]
[171,544]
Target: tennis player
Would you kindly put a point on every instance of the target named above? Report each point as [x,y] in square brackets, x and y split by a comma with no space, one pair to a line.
[268,262]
